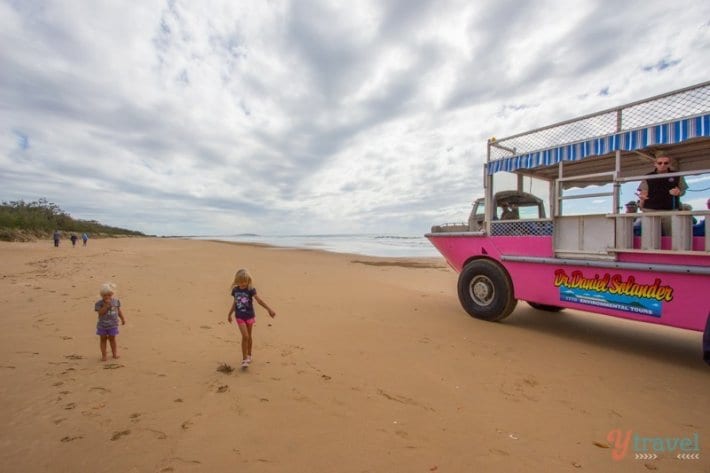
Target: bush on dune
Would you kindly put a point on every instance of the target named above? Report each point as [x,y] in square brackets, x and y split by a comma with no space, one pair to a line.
[26,221]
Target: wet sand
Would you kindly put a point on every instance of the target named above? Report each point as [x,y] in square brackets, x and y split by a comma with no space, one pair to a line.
[370,365]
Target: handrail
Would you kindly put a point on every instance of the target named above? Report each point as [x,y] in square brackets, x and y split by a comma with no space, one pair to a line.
[668,174]
[587,176]
[585,196]
[661,213]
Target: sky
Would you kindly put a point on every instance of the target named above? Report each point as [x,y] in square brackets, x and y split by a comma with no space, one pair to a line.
[308,117]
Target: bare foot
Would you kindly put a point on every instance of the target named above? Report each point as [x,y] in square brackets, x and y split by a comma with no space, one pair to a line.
[115,357]
[104,358]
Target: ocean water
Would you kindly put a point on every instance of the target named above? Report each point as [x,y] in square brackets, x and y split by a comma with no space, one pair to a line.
[382,245]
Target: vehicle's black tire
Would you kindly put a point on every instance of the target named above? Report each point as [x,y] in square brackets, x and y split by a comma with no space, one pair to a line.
[545,307]
[485,290]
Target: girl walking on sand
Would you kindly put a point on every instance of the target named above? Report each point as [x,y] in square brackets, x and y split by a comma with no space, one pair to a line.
[109,309]
[243,309]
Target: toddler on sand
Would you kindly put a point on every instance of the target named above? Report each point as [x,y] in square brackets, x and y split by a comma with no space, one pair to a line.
[243,309]
[109,309]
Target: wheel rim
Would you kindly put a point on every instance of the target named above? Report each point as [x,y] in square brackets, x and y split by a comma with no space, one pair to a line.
[481,290]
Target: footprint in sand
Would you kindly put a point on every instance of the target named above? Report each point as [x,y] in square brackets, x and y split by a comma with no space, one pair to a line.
[73,357]
[499,451]
[118,435]
[92,412]
[188,423]
[71,439]
[404,400]
[521,390]
[290,350]
[532,382]
[112,366]
[225,368]
[158,434]
[182,460]
[223,389]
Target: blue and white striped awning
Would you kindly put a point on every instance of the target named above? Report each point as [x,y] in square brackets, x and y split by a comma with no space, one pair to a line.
[664,134]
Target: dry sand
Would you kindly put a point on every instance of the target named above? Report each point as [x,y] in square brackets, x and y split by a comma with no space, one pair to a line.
[371,365]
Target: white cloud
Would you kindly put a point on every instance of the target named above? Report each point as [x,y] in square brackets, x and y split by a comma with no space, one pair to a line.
[225,117]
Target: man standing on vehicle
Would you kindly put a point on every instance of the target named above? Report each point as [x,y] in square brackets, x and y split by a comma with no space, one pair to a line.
[662,193]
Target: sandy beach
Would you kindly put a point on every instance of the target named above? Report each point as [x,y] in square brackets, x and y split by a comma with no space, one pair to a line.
[370,365]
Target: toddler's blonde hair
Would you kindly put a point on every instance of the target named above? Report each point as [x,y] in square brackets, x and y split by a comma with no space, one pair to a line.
[242,277]
[107,288]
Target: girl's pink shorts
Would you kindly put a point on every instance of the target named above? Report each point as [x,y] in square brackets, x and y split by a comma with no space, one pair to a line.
[246,322]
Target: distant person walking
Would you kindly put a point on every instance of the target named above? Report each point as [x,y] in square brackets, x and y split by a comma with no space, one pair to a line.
[73,239]
[109,310]
[243,310]
[56,237]
[84,237]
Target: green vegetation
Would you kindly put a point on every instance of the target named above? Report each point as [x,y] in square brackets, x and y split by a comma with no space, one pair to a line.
[20,220]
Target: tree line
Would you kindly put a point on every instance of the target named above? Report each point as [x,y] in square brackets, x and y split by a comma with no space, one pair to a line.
[40,218]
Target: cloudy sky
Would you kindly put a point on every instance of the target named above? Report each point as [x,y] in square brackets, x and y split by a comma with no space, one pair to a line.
[281,117]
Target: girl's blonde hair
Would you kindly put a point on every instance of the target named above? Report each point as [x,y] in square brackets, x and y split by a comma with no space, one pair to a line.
[242,277]
[107,288]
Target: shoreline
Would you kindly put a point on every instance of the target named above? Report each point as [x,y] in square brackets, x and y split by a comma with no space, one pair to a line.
[404,261]
[370,365]
[370,244]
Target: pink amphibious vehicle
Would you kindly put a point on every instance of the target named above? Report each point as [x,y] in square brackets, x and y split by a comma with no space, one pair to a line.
[587,254]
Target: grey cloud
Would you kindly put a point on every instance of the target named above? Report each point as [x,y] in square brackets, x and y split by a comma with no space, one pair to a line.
[597,41]
[499,24]
[335,60]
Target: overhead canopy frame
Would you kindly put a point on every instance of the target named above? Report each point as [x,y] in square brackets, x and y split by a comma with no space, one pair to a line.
[677,122]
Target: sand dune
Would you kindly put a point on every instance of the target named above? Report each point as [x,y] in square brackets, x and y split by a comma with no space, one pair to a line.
[370,366]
